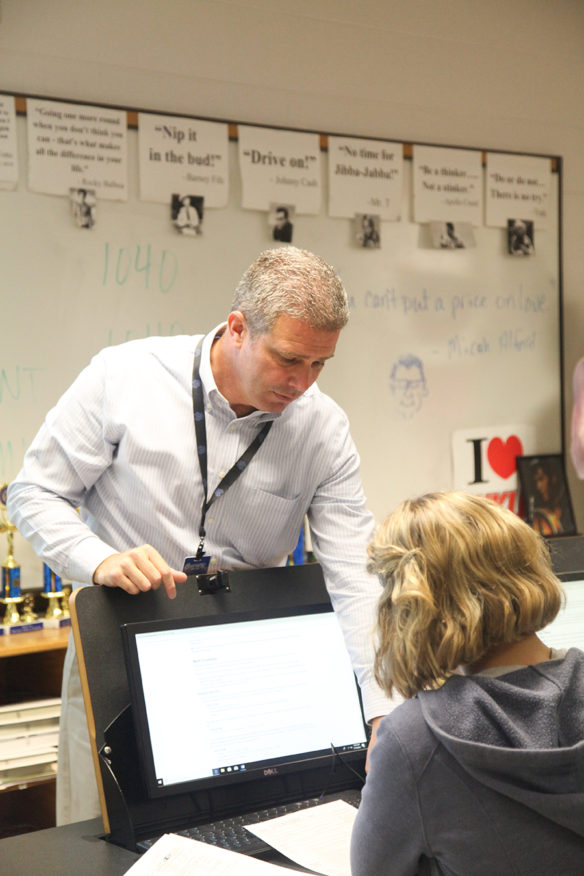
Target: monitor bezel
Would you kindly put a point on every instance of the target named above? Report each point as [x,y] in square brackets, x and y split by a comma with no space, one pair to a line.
[309,760]
[570,576]
[565,577]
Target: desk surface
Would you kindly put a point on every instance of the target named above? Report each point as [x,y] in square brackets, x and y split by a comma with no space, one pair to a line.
[79,849]
[70,850]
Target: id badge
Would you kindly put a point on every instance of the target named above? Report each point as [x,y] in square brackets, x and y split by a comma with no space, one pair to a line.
[194,566]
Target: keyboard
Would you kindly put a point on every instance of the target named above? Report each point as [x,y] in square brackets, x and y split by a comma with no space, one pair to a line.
[230,833]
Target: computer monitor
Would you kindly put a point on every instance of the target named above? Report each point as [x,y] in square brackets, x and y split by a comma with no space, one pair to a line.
[567,630]
[240,697]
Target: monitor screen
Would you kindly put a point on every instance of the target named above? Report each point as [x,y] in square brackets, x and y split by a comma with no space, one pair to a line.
[236,697]
[567,629]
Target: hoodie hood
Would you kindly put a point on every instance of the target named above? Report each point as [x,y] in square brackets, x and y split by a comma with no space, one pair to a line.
[520,734]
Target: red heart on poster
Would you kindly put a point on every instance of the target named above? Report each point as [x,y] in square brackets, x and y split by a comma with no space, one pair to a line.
[502,455]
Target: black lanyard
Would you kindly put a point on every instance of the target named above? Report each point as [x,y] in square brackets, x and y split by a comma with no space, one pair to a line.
[201,436]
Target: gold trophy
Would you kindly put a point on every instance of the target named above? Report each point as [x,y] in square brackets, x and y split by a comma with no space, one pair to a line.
[53,593]
[10,594]
[65,601]
[28,612]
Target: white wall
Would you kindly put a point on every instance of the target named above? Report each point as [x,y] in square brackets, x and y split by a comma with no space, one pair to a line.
[500,74]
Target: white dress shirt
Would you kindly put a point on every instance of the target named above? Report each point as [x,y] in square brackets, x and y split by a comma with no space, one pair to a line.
[120,445]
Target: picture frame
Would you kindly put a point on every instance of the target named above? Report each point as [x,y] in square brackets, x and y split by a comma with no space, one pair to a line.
[545,496]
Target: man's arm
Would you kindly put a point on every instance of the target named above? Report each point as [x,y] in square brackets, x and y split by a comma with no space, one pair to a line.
[138,570]
[67,457]
[341,528]
[64,461]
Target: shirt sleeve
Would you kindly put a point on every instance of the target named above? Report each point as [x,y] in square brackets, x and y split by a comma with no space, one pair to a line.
[388,837]
[341,527]
[63,462]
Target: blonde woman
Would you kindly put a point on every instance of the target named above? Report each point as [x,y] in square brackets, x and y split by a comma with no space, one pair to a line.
[481,770]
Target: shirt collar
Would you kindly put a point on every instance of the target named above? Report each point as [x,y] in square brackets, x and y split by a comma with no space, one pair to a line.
[214,401]
[209,385]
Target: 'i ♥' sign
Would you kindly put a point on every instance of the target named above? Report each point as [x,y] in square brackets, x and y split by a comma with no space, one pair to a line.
[484,459]
[501,455]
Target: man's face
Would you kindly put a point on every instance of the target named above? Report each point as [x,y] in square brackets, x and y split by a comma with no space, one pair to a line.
[280,218]
[278,367]
[409,388]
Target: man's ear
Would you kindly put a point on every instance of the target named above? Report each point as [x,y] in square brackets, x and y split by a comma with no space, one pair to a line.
[237,327]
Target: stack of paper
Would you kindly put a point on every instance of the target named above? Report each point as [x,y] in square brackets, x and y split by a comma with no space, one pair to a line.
[318,838]
[29,737]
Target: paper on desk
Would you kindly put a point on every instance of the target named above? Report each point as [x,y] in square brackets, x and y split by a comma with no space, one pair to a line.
[174,855]
[318,838]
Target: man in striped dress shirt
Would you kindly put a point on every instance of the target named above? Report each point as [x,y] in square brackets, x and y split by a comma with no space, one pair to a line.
[123,445]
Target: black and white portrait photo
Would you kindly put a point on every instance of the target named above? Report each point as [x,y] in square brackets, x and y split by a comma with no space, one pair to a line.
[450,235]
[520,237]
[281,221]
[367,232]
[187,214]
[83,206]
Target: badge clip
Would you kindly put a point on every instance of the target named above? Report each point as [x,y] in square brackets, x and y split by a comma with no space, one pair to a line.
[213,583]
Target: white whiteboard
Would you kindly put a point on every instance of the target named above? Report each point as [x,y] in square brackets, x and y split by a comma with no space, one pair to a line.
[68,292]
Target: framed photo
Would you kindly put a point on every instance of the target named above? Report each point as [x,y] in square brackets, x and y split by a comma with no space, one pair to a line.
[545,496]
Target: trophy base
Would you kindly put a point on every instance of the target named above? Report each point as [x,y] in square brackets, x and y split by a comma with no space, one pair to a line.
[54,610]
[11,614]
[56,623]
[21,627]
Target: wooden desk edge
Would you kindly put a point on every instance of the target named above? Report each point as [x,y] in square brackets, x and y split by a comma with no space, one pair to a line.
[15,644]
[88,706]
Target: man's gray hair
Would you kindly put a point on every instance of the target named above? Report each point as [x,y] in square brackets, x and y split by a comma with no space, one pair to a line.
[291,282]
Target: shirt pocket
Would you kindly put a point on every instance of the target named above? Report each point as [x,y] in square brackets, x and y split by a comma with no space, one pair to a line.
[270,526]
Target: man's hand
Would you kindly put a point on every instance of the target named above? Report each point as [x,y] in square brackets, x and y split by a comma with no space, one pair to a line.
[372,741]
[137,570]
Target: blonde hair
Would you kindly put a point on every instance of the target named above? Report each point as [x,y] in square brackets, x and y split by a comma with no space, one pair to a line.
[461,575]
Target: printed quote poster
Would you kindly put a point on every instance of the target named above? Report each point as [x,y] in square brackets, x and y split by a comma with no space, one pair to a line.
[185,156]
[518,187]
[365,176]
[448,185]
[77,146]
[279,166]
[8,150]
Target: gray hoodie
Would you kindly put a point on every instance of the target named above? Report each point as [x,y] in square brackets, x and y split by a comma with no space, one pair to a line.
[483,776]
